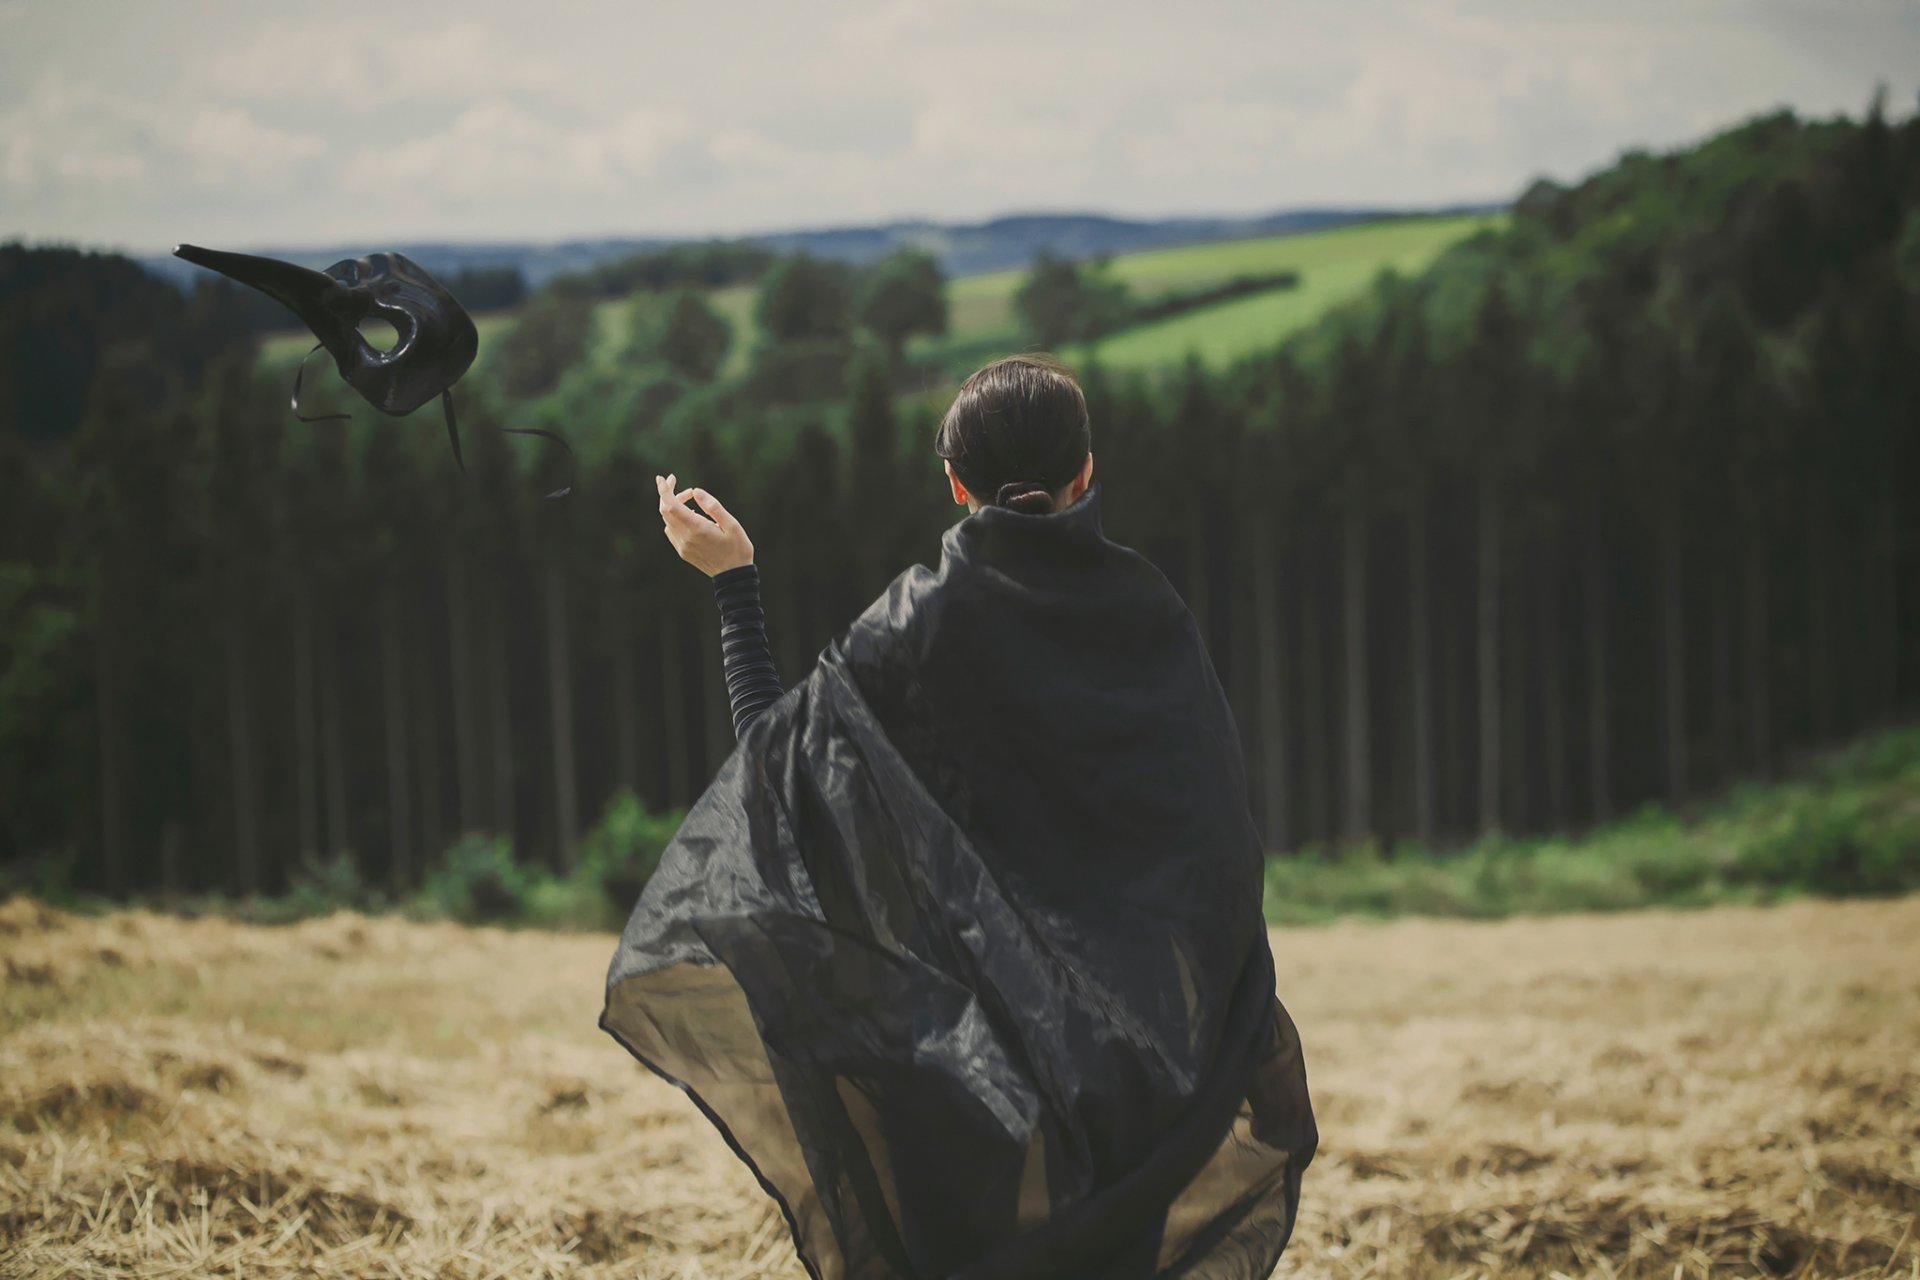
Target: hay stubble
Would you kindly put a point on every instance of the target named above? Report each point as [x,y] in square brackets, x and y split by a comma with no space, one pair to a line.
[1730,1092]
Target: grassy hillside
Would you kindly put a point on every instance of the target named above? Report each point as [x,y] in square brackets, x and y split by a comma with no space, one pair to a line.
[984,303]
[1334,266]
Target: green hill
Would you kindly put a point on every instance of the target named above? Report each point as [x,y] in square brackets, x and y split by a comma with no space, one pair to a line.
[1334,266]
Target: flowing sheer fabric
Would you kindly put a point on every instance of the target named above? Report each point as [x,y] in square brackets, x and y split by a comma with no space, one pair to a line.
[962,949]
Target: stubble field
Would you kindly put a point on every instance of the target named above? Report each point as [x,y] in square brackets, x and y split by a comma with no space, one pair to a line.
[1734,1092]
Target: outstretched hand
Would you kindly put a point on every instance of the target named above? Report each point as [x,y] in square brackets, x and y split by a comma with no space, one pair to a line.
[713,542]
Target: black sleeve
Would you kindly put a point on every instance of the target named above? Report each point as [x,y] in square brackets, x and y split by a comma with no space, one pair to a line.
[752,683]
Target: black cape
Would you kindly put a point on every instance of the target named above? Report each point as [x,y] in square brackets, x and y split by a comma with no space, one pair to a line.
[962,949]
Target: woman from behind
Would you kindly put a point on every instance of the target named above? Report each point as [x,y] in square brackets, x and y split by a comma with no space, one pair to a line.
[962,948]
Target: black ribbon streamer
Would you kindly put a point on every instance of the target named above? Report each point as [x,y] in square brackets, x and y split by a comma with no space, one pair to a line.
[299,373]
[453,426]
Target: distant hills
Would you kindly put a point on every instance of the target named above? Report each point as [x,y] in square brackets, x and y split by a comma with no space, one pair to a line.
[962,248]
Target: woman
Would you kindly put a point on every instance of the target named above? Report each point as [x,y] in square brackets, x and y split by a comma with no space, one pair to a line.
[962,949]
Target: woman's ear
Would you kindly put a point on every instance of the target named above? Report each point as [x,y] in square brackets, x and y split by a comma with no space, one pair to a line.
[953,481]
[1085,478]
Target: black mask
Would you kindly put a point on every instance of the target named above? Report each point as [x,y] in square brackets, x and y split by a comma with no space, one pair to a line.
[437,340]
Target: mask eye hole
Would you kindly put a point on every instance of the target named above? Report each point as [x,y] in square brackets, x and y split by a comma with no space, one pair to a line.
[380,335]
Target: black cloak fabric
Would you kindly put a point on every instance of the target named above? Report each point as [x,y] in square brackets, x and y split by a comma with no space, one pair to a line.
[962,949]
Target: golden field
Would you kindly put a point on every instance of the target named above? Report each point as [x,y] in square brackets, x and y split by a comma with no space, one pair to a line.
[1733,1092]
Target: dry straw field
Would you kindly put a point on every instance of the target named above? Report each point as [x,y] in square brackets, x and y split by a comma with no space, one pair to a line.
[1734,1092]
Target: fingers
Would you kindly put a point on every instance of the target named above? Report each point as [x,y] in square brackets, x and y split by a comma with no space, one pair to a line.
[682,526]
[673,516]
[669,500]
[711,505]
[708,504]
[705,535]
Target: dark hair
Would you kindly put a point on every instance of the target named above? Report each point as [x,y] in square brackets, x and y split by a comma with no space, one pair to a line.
[1017,430]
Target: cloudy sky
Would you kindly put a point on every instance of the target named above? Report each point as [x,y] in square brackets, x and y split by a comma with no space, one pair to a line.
[138,123]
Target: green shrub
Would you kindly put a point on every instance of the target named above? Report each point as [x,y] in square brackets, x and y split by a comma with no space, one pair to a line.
[569,902]
[620,854]
[1570,879]
[1667,865]
[1848,840]
[322,887]
[480,881]
[1851,827]
[1888,757]
[477,881]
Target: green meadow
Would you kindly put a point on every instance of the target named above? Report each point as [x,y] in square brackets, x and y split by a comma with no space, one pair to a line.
[1334,266]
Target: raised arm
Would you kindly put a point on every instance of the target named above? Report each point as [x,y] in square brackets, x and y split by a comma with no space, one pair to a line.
[752,683]
[717,545]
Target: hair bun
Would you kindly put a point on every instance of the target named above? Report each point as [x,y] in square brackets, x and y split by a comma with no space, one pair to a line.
[1029,497]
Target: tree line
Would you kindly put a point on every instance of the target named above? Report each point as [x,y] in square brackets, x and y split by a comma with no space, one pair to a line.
[1062,301]
[1612,505]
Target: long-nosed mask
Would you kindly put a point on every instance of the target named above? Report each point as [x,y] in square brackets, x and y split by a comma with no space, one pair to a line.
[436,340]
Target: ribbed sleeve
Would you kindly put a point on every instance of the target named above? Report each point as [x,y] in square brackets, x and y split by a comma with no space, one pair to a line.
[752,683]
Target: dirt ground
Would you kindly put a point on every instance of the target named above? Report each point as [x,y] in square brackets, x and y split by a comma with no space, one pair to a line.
[1734,1091]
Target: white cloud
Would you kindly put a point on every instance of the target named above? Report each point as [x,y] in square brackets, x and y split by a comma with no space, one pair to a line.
[310,60]
[496,147]
[72,132]
[69,131]
[226,143]
[478,119]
